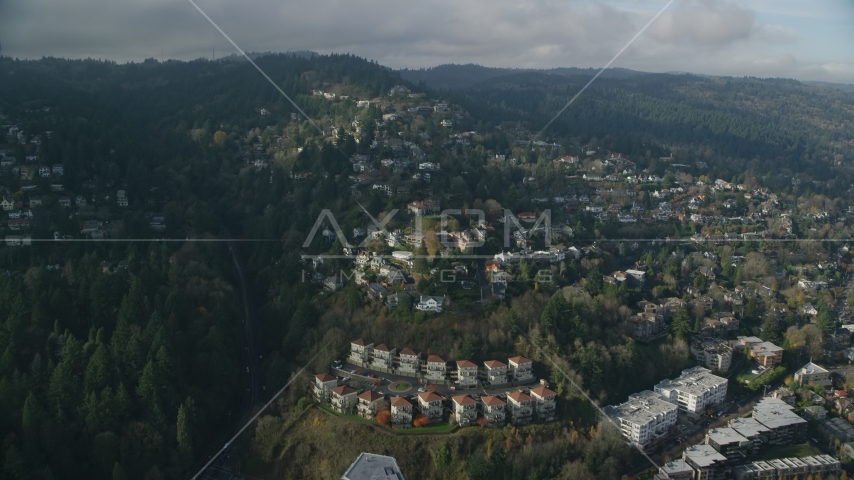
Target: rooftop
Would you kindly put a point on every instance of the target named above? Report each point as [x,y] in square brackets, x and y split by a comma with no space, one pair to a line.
[466,364]
[373,467]
[641,407]
[675,467]
[325,377]
[693,380]
[810,369]
[464,400]
[748,427]
[725,436]
[520,360]
[494,364]
[435,359]
[542,392]
[519,397]
[703,455]
[400,402]
[492,401]
[775,413]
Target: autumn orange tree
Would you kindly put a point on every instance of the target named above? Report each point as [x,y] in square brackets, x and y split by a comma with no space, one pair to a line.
[219,137]
[384,418]
[421,420]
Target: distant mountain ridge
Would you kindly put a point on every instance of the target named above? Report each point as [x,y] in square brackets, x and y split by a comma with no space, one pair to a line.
[453,76]
[456,76]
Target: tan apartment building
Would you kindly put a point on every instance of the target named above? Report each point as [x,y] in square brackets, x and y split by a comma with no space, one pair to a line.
[401,412]
[496,372]
[383,358]
[369,404]
[465,410]
[545,403]
[521,407]
[323,385]
[436,369]
[521,369]
[493,409]
[764,353]
[466,374]
[712,353]
[409,362]
[343,399]
[360,351]
[812,374]
[430,405]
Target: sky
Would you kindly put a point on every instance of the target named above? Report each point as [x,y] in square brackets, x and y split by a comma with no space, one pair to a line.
[809,40]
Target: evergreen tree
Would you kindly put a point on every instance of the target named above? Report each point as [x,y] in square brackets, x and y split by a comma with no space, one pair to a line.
[681,326]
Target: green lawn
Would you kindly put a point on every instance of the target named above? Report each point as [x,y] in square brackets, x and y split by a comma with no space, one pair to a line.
[802,450]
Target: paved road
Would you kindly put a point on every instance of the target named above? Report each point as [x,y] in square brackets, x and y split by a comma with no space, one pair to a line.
[225,465]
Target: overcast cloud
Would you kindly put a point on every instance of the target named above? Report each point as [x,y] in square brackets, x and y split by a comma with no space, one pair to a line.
[786,38]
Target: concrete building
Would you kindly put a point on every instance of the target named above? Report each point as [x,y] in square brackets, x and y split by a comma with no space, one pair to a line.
[493,409]
[788,468]
[545,403]
[644,417]
[521,369]
[369,404]
[436,369]
[812,374]
[756,433]
[694,390]
[521,407]
[785,427]
[496,372]
[466,374]
[323,385]
[409,362]
[729,443]
[712,353]
[465,410]
[836,429]
[383,358]
[707,463]
[373,467]
[675,470]
[764,353]
[430,405]
[360,351]
[343,399]
[401,412]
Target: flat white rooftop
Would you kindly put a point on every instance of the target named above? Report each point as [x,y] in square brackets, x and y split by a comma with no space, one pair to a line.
[373,467]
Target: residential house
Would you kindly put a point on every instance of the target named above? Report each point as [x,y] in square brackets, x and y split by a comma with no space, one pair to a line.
[361,351]
[369,404]
[121,198]
[436,369]
[323,385]
[383,358]
[424,207]
[401,412]
[7,203]
[465,410]
[466,374]
[493,409]
[545,403]
[430,405]
[521,407]
[409,361]
[57,169]
[44,171]
[496,372]
[377,292]
[343,399]
[430,303]
[521,369]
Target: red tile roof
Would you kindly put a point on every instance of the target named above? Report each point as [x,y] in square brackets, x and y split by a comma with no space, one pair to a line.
[464,400]
[381,347]
[400,402]
[492,401]
[370,396]
[359,341]
[429,397]
[325,377]
[542,392]
[344,390]
[494,364]
[520,360]
[466,364]
[408,351]
[435,359]
[519,397]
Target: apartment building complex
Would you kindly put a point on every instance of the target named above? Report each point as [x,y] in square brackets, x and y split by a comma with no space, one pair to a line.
[323,385]
[788,468]
[784,426]
[708,463]
[812,374]
[466,374]
[465,410]
[521,407]
[496,372]
[343,399]
[764,353]
[430,405]
[521,369]
[401,412]
[712,353]
[694,390]
[644,417]
[493,410]
[675,470]
[545,403]
[369,404]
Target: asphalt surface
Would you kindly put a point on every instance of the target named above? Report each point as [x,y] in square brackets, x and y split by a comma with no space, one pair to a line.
[225,466]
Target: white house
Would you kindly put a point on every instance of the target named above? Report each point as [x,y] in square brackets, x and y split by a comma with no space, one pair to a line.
[430,303]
